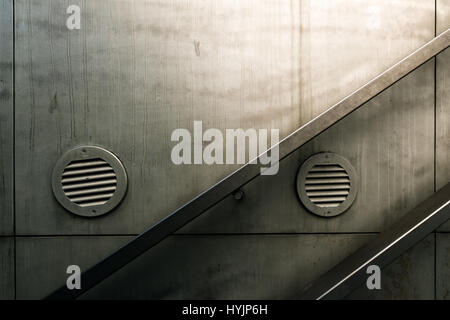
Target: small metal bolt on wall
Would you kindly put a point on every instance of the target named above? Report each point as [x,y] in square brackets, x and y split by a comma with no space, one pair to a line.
[238,195]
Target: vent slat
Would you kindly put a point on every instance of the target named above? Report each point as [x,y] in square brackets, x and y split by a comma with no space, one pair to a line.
[327,193]
[88,178]
[89,184]
[326,175]
[327,168]
[328,199]
[328,187]
[105,196]
[327,181]
[84,164]
[81,172]
[90,204]
[90,191]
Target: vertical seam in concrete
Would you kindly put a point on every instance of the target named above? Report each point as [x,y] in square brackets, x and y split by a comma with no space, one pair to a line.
[435,18]
[13,8]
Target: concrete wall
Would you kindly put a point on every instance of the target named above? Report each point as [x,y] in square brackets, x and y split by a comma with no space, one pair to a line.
[132,75]
[443,122]
[442,151]
[139,69]
[7,284]
[259,246]
[443,104]
[6,119]
[7,289]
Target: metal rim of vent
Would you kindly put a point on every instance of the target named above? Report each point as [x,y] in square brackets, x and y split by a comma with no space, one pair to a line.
[327,184]
[89,181]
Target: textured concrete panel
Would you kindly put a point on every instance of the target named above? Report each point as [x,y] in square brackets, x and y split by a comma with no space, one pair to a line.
[389,141]
[228,267]
[6,118]
[442,15]
[443,122]
[42,262]
[6,268]
[443,266]
[139,69]
[411,276]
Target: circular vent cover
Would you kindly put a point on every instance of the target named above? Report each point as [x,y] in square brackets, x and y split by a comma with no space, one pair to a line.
[327,184]
[89,181]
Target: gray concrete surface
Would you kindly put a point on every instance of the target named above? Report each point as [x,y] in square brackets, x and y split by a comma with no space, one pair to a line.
[228,267]
[132,74]
[7,268]
[442,15]
[443,266]
[6,119]
[443,122]
[42,261]
[409,277]
[389,141]
[139,69]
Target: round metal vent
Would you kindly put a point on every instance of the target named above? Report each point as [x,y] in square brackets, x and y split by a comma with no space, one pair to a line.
[89,181]
[327,184]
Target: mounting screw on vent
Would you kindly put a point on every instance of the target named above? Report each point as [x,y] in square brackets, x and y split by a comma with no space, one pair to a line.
[327,184]
[89,181]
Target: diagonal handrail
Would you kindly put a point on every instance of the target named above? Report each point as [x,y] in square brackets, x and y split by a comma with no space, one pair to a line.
[388,245]
[248,172]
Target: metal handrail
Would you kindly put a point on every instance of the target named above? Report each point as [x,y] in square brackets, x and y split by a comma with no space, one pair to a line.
[251,170]
[388,245]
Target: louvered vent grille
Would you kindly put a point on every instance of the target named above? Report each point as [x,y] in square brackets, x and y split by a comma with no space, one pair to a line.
[89,182]
[327,185]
